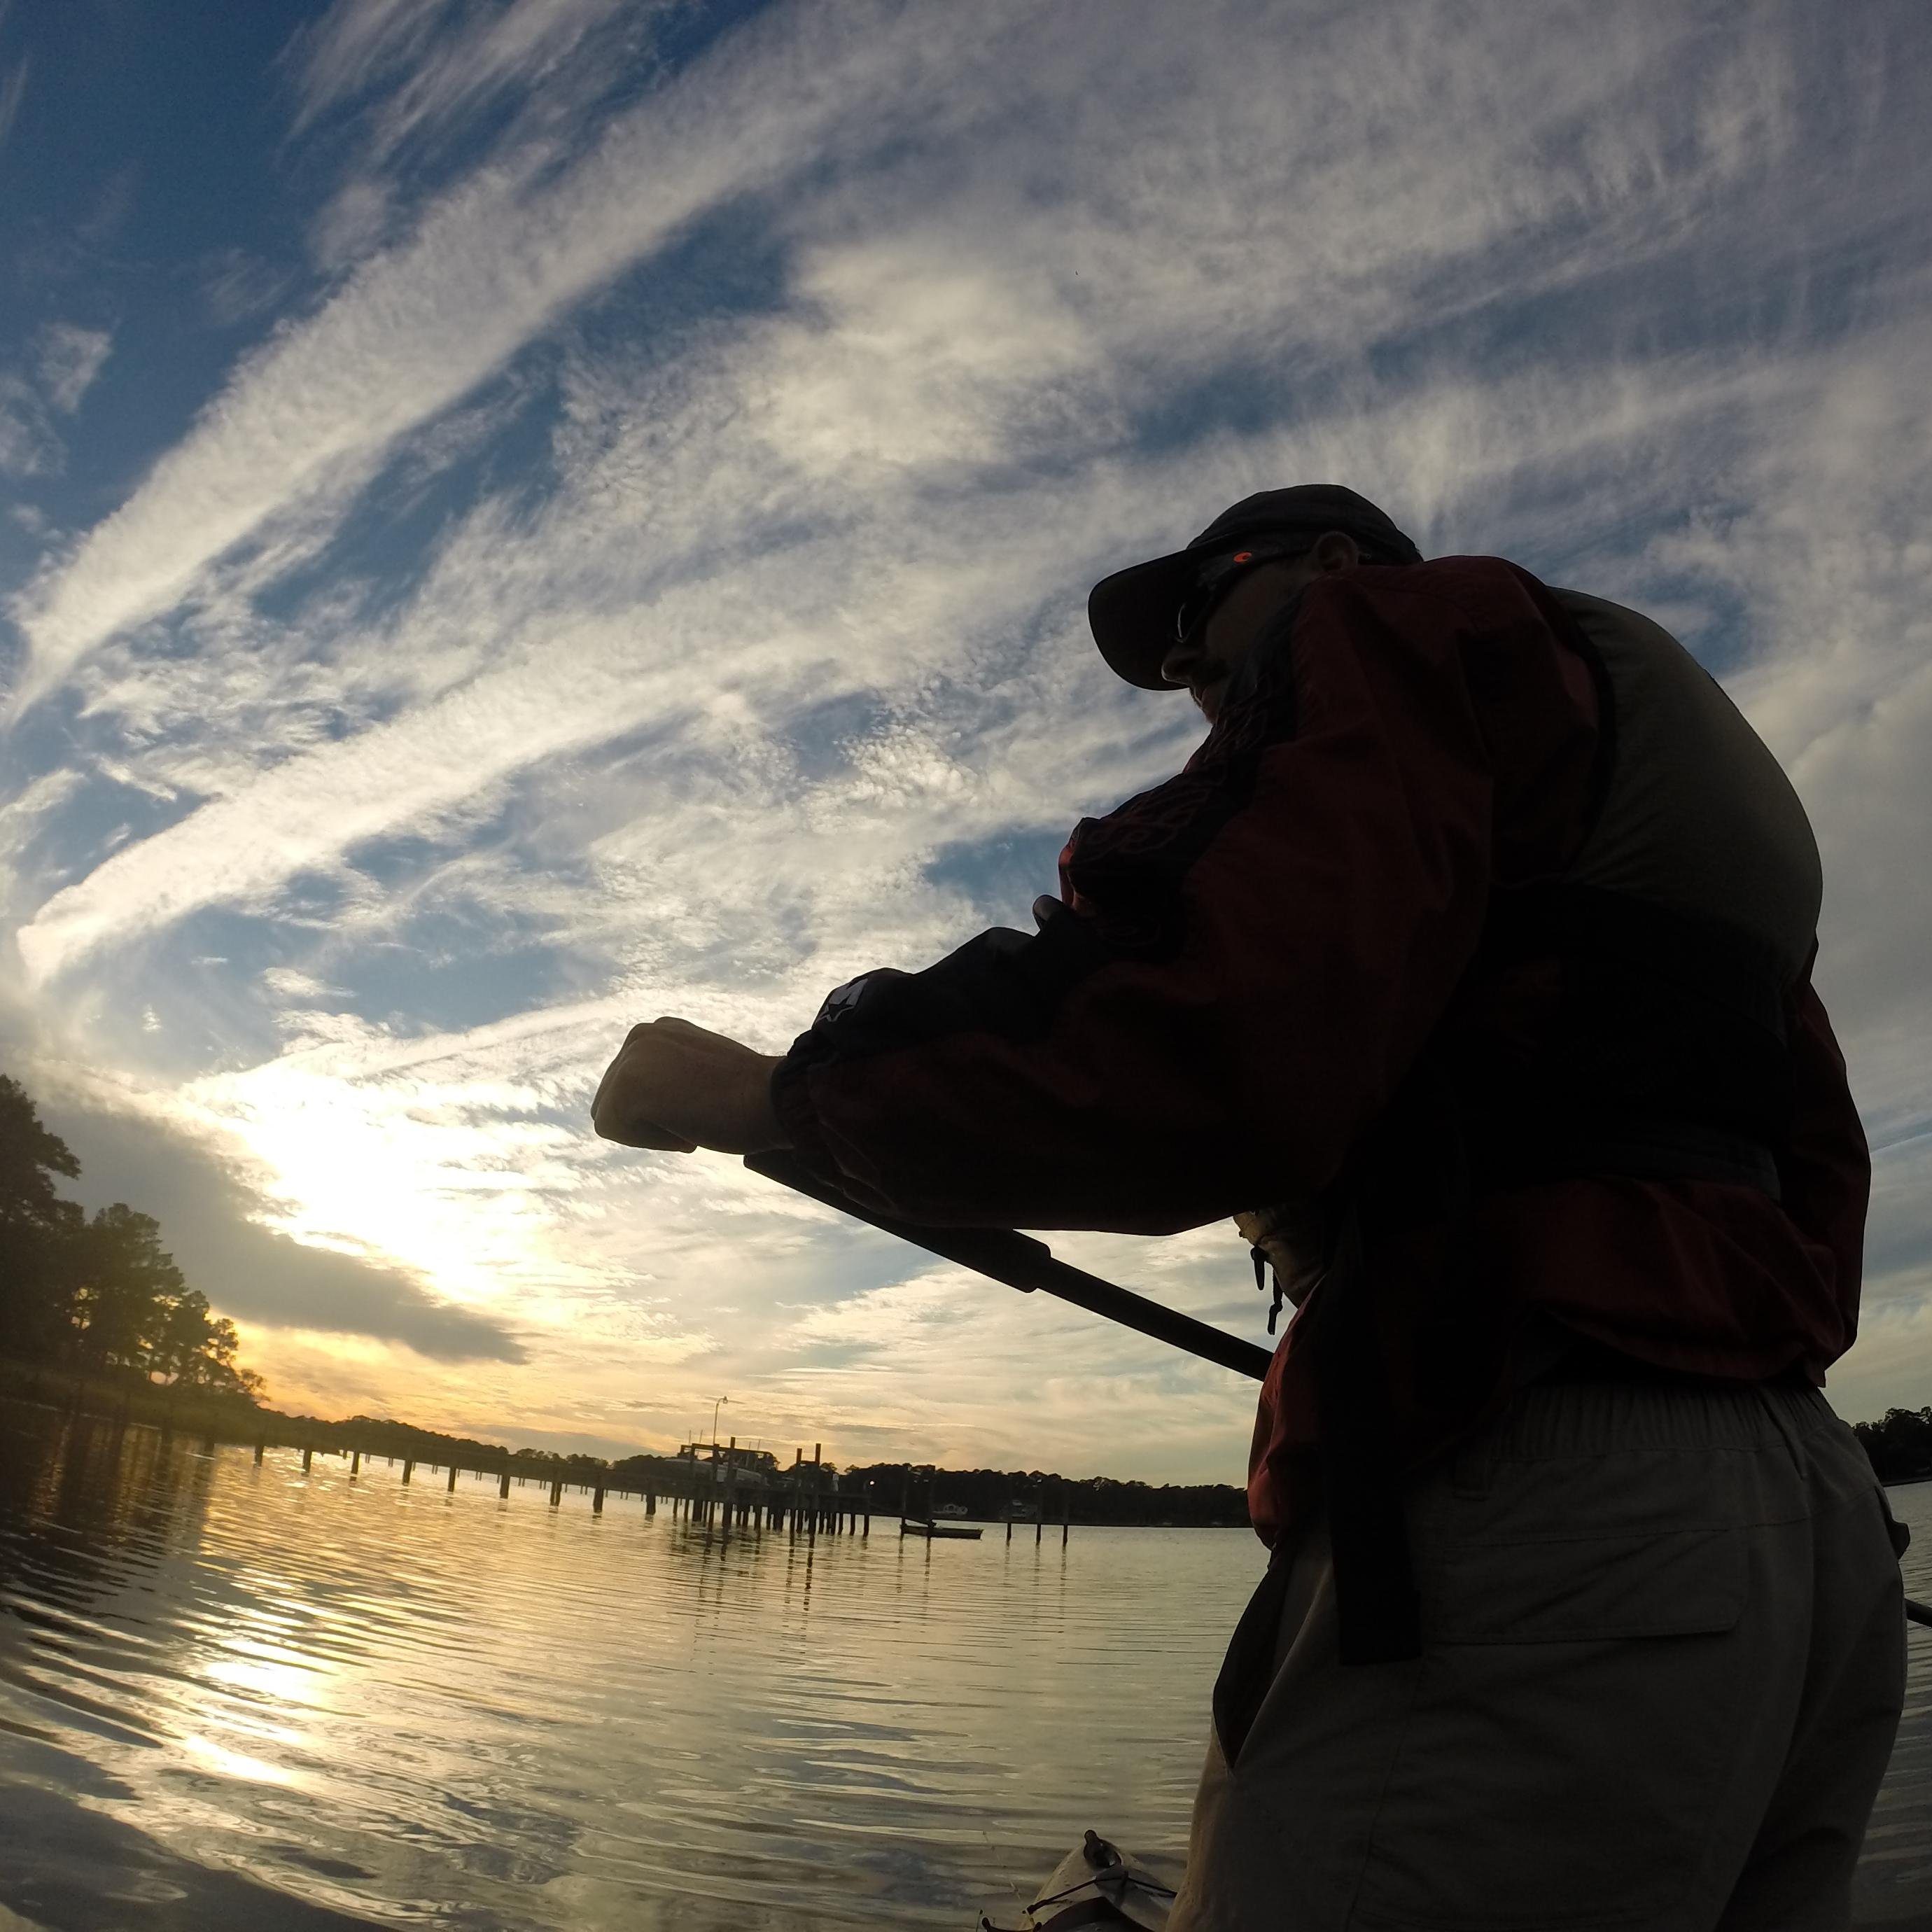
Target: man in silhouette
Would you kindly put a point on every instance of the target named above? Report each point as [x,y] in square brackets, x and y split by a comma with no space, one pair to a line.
[1466,965]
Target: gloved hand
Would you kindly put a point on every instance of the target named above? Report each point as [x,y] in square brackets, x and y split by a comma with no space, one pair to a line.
[677,1087]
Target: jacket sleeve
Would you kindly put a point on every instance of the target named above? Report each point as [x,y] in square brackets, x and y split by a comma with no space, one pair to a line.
[1247,959]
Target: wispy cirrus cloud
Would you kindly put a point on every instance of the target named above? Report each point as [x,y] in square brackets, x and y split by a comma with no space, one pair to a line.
[28,444]
[434,66]
[70,358]
[503,256]
[791,635]
[49,380]
[356,44]
[13,90]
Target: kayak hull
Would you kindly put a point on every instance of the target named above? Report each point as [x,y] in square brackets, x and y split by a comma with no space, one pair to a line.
[1096,1884]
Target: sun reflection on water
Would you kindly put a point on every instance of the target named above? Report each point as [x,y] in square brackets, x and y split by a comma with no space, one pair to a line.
[409,1705]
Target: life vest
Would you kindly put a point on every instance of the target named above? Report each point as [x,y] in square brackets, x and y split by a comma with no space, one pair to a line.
[1627,1018]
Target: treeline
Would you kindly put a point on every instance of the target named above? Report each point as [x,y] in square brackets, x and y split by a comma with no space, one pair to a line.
[99,1296]
[375,1436]
[1900,1446]
[986,1495]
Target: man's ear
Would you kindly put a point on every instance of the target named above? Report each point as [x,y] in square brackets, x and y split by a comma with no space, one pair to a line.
[1335,549]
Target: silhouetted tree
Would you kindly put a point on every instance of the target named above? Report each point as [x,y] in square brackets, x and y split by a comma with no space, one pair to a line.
[37,1228]
[128,1283]
[99,1295]
[1900,1446]
[30,1157]
[196,1348]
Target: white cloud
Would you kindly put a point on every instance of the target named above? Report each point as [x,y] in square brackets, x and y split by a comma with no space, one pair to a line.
[309,417]
[356,43]
[204,1190]
[28,444]
[879,602]
[288,982]
[441,78]
[236,285]
[356,220]
[69,358]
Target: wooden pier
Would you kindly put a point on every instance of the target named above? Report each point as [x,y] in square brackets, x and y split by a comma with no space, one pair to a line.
[721,1487]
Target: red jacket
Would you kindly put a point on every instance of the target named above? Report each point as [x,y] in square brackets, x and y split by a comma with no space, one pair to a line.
[1250,958]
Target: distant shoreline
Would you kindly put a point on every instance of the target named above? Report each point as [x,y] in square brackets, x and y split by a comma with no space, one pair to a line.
[1094,1501]
[128,1399]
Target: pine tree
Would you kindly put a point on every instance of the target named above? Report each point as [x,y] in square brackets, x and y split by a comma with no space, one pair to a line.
[98,1294]
[128,1284]
[37,1228]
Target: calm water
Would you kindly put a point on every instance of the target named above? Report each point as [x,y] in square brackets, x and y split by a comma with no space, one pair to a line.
[401,1706]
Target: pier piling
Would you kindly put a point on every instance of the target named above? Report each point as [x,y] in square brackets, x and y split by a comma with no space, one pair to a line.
[503,1485]
[408,1470]
[260,1449]
[308,1457]
[597,1500]
[355,1465]
[449,1488]
[556,1492]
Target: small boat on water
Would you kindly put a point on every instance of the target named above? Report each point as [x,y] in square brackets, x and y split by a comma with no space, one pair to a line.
[910,1527]
[1096,1884]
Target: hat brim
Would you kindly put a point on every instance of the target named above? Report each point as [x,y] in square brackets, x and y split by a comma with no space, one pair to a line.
[1131,614]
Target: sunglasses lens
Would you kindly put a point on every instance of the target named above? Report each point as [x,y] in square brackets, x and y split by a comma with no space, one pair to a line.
[1208,585]
[1192,607]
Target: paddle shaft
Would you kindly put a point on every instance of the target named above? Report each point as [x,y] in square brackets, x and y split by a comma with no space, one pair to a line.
[1021,1262]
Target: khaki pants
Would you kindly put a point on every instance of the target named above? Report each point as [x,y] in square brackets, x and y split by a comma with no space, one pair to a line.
[1663,1661]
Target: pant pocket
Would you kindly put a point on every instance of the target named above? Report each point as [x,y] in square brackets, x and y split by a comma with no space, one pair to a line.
[1900,1536]
[1574,1724]
[1248,1669]
[1582,1589]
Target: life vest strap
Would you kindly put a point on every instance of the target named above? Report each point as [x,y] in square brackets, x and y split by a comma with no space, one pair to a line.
[1665,1059]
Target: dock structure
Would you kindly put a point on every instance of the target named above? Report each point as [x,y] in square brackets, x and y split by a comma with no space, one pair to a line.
[708,1485]
[730,1488]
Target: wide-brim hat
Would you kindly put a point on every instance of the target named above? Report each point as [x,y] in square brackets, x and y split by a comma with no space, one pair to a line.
[1132,612]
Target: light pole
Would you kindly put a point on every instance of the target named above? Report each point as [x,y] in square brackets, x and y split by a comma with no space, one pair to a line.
[715,1407]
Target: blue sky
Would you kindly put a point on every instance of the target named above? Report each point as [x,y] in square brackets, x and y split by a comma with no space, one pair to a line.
[523,515]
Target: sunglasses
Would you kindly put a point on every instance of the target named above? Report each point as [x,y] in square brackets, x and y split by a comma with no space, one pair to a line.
[1215,579]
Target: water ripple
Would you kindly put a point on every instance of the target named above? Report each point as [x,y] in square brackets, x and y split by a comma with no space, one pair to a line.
[412,1706]
[426,1707]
